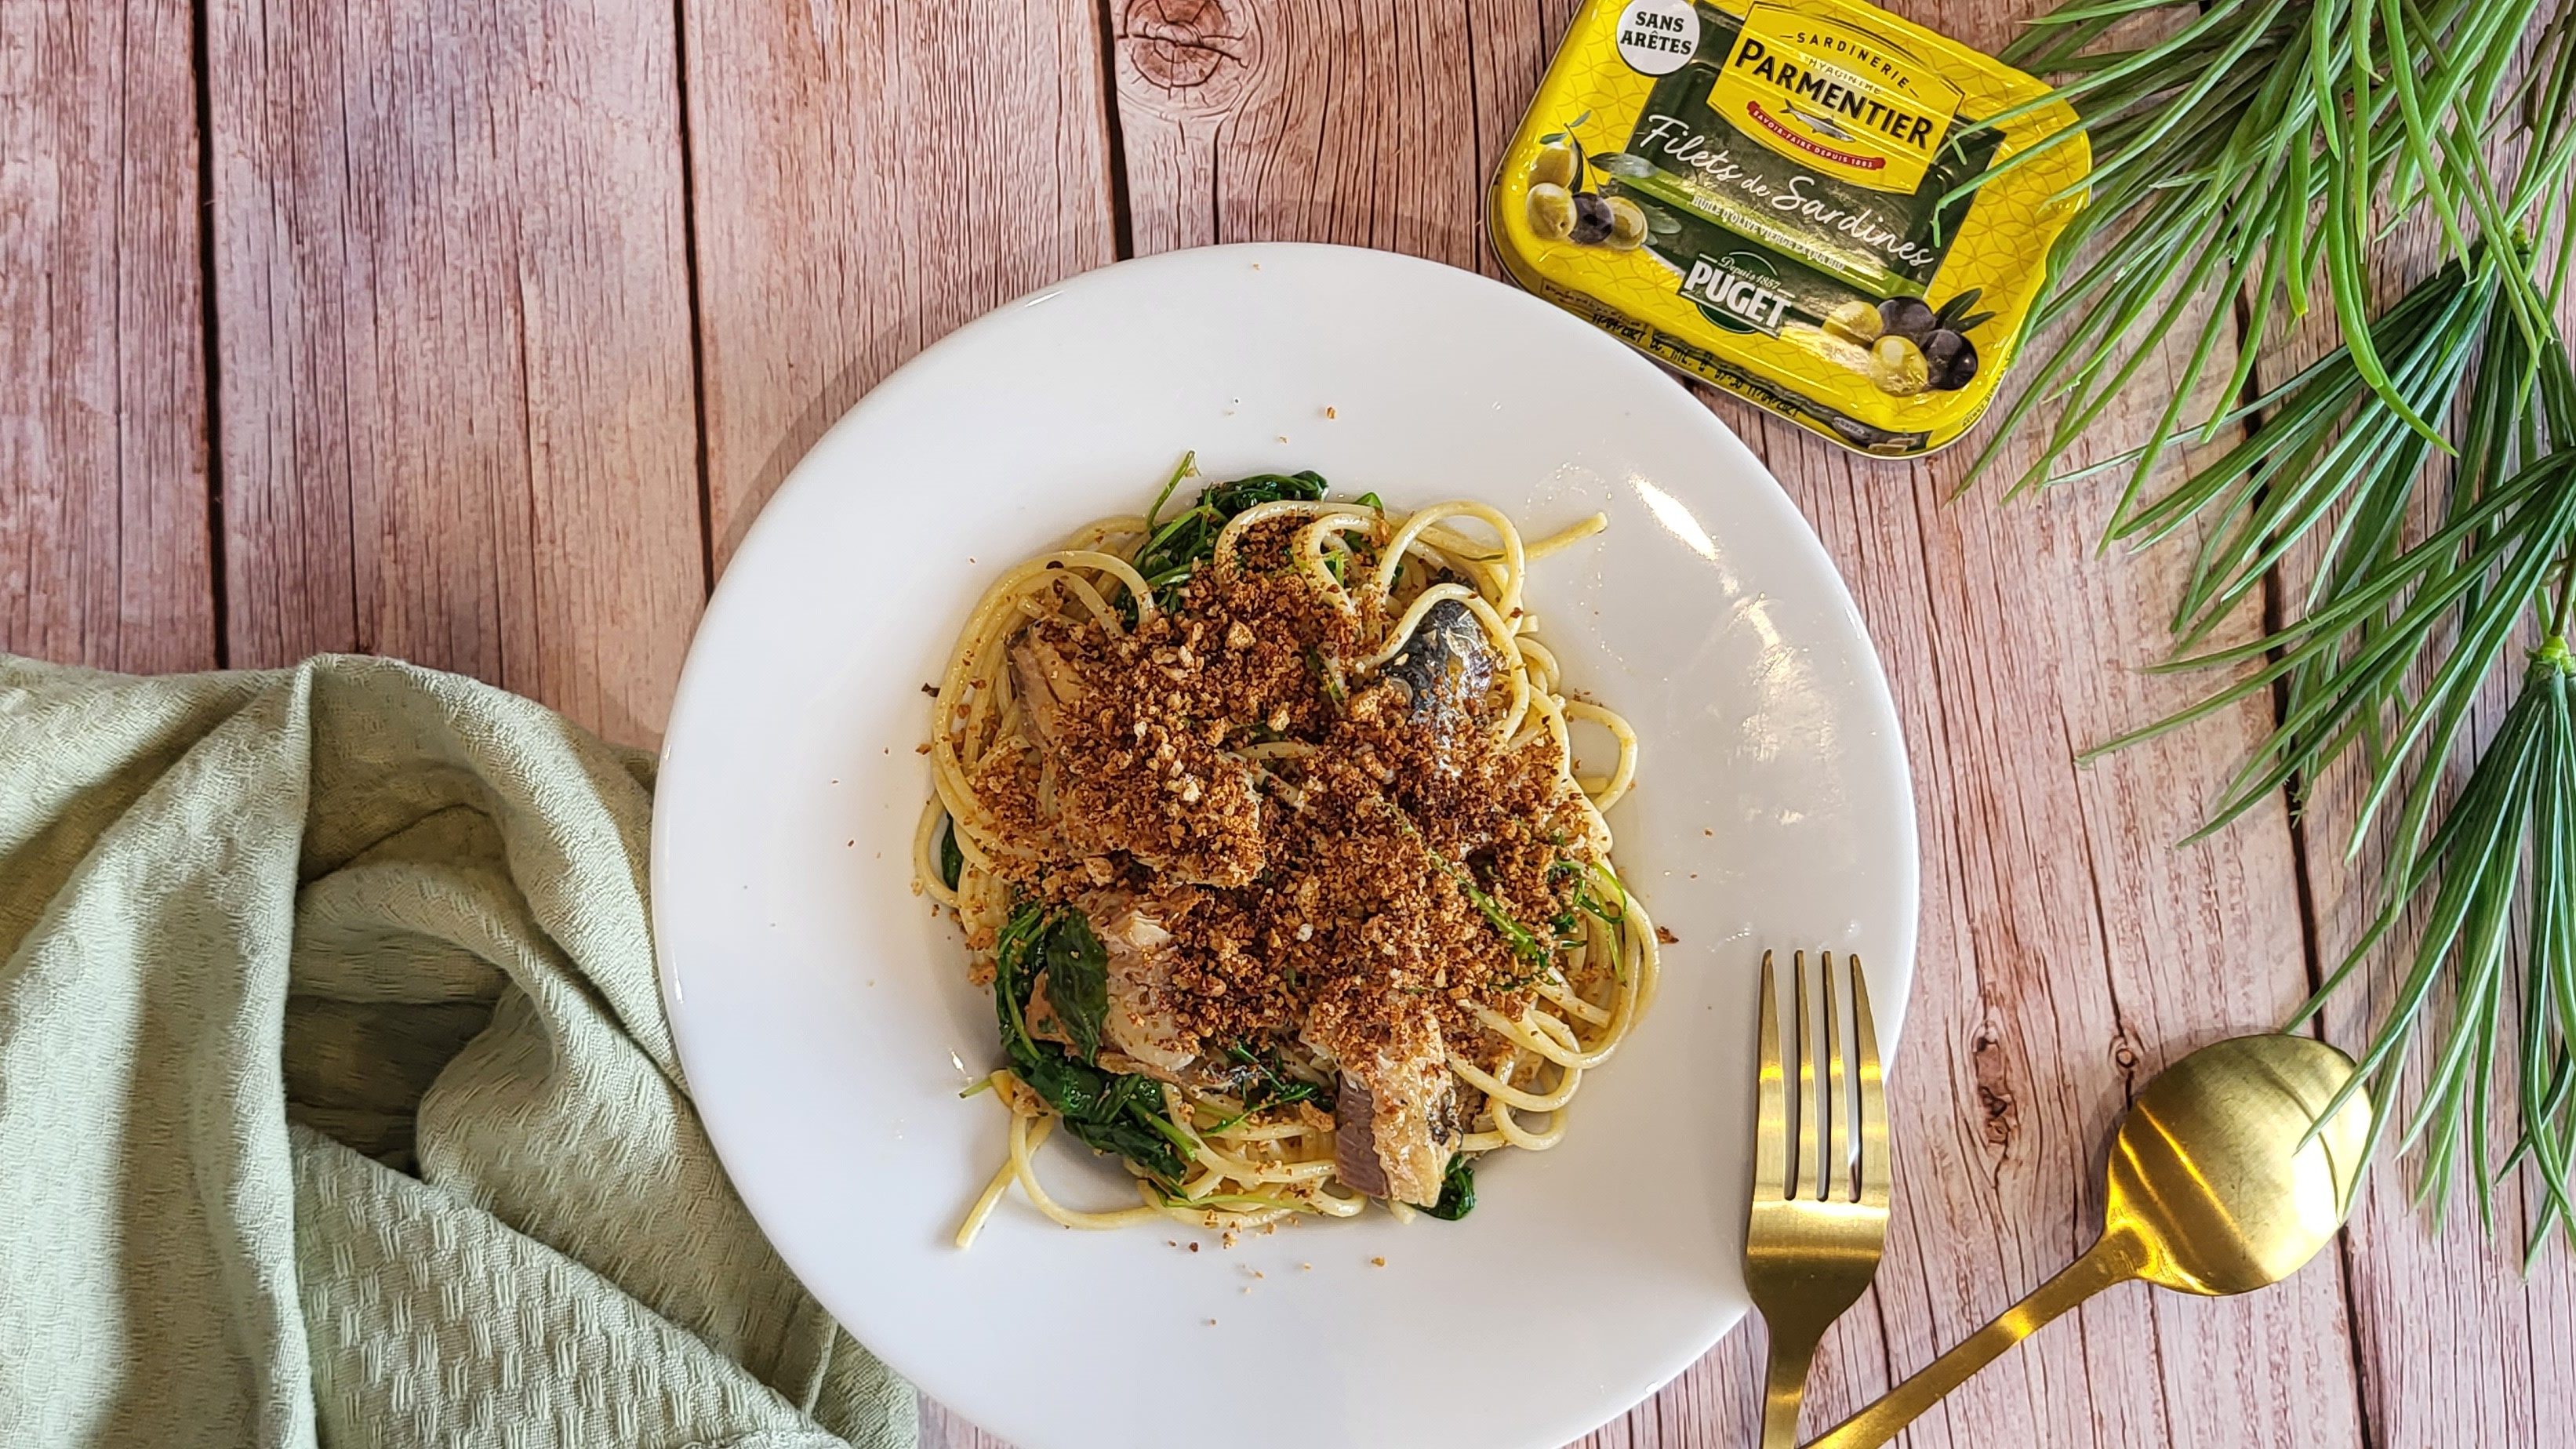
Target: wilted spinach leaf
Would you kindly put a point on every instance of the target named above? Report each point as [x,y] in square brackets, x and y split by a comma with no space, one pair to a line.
[1112,1112]
[1457,1190]
[1179,544]
[952,861]
[1077,973]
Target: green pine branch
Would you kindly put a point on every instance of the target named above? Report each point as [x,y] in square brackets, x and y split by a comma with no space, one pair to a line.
[2414,490]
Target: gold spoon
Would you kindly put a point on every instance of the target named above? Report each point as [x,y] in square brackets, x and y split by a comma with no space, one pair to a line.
[2212,1192]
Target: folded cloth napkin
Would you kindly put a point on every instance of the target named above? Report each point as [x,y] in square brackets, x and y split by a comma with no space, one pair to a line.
[336,1100]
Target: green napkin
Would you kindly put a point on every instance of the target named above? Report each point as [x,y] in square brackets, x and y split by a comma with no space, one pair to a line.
[336,1101]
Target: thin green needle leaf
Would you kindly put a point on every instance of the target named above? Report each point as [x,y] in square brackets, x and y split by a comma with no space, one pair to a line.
[2419,143]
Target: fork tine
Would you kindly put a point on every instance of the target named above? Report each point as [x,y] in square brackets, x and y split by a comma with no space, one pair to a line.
[1810,1155]
[1875,1169]
[1833,1103]
[1771,1131]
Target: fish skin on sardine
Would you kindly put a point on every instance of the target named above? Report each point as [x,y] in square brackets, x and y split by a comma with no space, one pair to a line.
[1445,667]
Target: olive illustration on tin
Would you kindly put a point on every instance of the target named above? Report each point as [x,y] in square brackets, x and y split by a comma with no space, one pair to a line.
[1565,205]
[1591,219]
[1554,166]
[1914,346]
[1551,211]
[1628,225]
[1907,317]
[1557,190]
[1855,321]
[1898,366]
[1952,357]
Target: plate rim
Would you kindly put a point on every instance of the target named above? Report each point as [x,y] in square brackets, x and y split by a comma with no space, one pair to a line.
[1872,688]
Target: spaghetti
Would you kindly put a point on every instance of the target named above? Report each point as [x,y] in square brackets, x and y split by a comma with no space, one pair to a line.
[1262,822]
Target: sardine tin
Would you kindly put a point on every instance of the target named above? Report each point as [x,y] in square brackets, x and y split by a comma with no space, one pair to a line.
[1752,194]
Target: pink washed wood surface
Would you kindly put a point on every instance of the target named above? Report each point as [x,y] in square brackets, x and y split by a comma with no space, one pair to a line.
[479,336]
[103,543]
[865,183]
[456,411]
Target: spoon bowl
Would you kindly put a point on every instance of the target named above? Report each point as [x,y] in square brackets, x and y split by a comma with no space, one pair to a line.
[2218,1173]
[2223,1179]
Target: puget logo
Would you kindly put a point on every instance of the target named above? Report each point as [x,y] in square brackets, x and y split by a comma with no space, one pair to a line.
[1739,292]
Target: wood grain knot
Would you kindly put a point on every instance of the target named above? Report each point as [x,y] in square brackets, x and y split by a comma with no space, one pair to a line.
[1193,55]
[1995,1095]
[2126,1055]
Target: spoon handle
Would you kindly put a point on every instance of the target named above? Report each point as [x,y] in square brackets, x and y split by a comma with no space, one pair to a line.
[2115,1258]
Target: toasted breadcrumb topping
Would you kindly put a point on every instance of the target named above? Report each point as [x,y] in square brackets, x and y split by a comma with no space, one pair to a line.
[1313,843]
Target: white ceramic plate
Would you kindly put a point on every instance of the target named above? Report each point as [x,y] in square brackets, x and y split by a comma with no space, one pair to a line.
[822,1011]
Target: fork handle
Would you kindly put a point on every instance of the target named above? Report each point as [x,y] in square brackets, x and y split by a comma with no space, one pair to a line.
[2116,1258]
[1784,1387]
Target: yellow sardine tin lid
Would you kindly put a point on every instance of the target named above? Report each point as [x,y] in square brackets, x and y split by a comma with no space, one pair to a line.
[1753,193]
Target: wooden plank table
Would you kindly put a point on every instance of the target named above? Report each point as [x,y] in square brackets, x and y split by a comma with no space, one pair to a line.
[478,334]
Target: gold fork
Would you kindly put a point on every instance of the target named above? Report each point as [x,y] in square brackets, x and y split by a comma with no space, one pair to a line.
[1812,1241]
